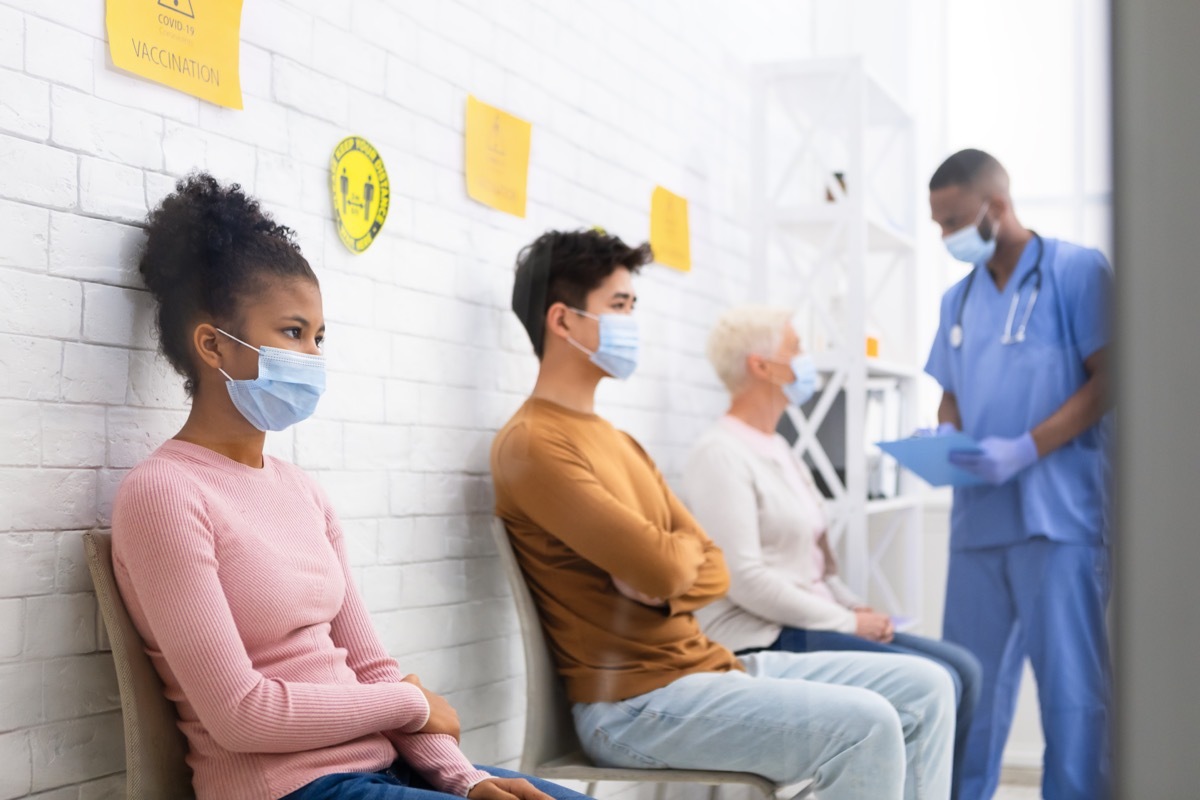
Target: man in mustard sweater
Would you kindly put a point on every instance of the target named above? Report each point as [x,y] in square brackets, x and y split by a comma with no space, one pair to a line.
[617,565]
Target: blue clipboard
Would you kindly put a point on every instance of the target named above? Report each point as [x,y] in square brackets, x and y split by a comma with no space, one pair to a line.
[929,458]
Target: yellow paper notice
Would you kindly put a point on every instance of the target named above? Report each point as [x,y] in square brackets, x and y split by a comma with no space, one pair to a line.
[669,230]
[189,45]
[497,157]
[361,193]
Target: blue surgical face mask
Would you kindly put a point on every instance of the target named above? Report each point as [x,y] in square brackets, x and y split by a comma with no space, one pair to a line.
[619,343]
[804,385]
[286,391]
[967,244]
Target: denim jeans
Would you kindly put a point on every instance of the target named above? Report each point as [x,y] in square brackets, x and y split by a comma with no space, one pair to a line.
[863,726]
[399,782]
[963,667]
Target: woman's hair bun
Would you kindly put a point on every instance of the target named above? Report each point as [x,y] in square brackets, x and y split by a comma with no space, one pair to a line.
[208,249]
[198,231]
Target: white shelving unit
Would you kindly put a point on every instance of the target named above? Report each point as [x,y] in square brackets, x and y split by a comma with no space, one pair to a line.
[842,251]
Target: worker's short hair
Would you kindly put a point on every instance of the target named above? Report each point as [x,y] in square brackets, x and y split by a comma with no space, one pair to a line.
[968,167]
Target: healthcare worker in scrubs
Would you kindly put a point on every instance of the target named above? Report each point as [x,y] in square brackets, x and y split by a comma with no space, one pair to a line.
[1022,356]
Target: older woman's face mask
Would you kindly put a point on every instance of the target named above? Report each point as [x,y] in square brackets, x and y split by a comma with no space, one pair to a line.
[804,384]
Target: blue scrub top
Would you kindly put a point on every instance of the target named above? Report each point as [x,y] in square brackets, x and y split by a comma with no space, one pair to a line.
[1007,390]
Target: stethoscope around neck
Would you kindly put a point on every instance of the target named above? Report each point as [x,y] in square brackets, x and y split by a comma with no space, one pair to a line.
[1035,274]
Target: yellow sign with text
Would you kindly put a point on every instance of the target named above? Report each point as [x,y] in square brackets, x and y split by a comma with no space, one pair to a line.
[669,238]
[361,193]
[189,45]
[497,162]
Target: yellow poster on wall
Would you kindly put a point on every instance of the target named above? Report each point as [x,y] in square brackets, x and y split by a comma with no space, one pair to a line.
[189,45]
[669,238]
[358,182]
[497,159]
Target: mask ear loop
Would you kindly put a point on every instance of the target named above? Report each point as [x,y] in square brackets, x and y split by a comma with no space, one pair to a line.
[239,341]
[580,347]
[995,226]
[982,212]
[769,360]
[571,339]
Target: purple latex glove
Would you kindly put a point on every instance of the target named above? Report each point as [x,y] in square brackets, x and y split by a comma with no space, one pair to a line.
[997,459]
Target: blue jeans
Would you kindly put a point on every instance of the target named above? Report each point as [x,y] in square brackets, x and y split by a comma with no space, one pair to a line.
[399,782]
[963,667]
[868,726]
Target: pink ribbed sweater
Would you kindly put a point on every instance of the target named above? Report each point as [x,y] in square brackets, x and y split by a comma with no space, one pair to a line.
[237,580]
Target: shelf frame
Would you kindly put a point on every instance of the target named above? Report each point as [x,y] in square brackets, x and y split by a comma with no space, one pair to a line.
[802,111]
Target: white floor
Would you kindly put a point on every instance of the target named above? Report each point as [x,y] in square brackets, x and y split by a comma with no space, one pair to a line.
[1019,793]
[1020,783]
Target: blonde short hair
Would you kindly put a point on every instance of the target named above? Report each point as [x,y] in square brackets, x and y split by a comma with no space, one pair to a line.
[744,331]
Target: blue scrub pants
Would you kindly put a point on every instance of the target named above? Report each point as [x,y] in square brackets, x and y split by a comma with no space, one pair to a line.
[1045,600]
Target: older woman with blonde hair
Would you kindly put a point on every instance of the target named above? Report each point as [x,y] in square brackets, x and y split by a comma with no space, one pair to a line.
[756,499]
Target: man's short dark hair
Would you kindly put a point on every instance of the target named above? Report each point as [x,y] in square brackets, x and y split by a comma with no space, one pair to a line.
[564,267]
[964,168]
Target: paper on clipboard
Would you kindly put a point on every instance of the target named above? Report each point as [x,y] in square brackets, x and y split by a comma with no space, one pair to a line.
[929,458]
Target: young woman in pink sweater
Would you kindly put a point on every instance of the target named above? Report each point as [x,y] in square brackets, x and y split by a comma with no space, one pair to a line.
[233,564]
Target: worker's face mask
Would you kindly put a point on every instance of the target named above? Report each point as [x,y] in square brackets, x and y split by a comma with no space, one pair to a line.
[967,244]
[619,343]
[286,391]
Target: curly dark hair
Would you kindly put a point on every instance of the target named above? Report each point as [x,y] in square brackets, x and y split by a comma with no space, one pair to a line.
[564,267]
[209,249]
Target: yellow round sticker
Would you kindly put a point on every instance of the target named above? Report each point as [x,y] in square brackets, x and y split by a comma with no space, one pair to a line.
[358,182]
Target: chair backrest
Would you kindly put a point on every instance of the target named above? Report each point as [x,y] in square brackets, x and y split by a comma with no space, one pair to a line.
[549,726]
[155,748]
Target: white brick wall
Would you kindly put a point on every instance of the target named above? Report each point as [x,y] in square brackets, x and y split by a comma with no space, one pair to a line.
[426,359]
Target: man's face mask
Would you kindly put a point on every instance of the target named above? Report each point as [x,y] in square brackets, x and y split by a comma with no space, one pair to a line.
[967,244]
[619,343]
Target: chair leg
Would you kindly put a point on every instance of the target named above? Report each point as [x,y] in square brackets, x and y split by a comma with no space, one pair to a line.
[714,791]
[660,792]
[804,794]
[591,789]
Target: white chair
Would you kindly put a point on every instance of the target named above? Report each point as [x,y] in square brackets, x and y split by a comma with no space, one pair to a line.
[155,748]
[552,749]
